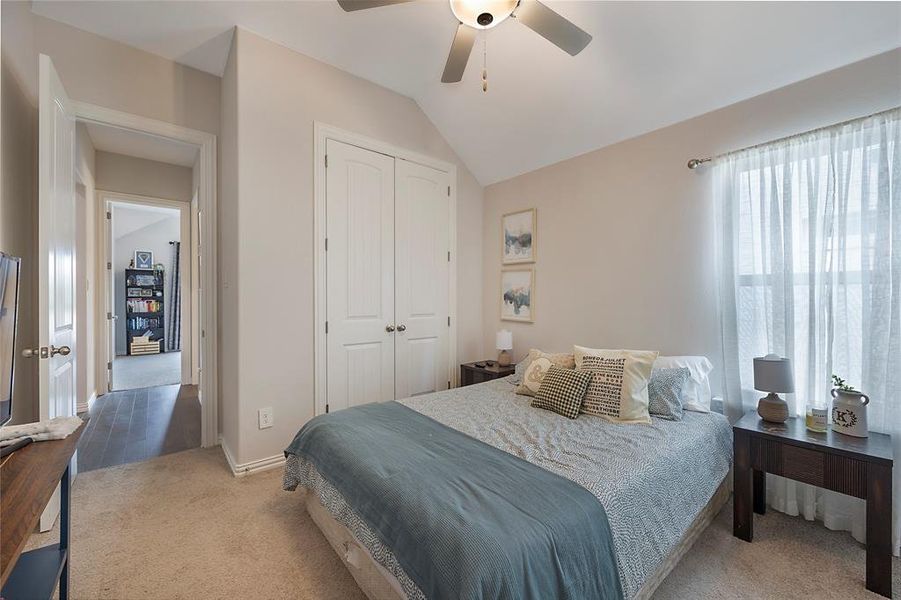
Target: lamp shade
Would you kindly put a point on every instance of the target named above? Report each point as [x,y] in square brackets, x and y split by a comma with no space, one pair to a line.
[504,340]
[773,374]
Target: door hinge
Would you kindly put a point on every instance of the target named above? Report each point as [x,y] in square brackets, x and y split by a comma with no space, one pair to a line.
[448,384]
[326,244]
[448,256]
[109,266]
[109,366]
[326,408]
[448,191]
[109,215]
[326,326]
[448,321]
[326,161]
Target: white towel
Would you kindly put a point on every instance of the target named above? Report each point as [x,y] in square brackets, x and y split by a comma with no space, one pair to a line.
[54,429]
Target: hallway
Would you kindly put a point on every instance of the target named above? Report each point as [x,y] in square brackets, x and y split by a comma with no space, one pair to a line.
[134,425]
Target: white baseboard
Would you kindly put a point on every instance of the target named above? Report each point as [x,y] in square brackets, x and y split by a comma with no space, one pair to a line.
[81,407]
[254,466]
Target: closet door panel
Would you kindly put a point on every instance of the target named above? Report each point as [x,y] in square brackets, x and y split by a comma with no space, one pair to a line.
[360,275]
[422,225]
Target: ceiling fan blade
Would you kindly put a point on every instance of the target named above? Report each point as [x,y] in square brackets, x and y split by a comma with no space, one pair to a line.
[552,27]
[352,5]
[459,54]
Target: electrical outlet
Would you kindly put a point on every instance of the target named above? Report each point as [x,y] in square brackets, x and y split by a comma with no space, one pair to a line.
[266,418]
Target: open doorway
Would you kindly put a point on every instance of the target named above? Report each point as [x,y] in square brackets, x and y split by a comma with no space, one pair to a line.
[146,285]
[141,202]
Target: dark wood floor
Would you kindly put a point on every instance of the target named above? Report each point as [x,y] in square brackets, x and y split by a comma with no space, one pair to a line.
[133,425]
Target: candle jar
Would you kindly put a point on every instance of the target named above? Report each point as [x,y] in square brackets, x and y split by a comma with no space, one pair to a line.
[817,418]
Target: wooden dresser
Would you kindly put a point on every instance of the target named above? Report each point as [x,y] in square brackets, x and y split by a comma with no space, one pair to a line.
[28,478]
[859,467]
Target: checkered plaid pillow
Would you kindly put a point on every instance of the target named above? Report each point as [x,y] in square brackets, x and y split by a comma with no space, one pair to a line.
[562,391]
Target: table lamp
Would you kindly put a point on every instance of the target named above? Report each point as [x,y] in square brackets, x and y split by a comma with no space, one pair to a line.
[504,343]
[773,374]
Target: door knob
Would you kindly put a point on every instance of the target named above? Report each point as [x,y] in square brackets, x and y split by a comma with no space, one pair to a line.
[401,327]
[64,350]
[389,328]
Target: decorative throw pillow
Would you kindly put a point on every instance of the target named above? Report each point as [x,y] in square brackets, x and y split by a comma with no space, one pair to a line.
[696,395]
[618,390]
[665,392]
[562,391]
[519,371]
[538,364]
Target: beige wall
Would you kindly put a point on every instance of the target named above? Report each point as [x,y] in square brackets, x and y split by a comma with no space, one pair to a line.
[85,266]
[18,194]
[93,69]
[228,315]
[270,224]
[625,234]
[130,175]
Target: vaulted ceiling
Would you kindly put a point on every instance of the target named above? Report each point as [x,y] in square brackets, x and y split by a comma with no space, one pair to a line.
[650,64]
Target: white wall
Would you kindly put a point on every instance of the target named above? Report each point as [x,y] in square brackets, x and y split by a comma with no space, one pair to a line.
[155,236]
[625,233]
[267,229]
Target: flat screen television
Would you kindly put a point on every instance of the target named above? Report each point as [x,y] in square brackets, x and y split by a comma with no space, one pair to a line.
[9,304]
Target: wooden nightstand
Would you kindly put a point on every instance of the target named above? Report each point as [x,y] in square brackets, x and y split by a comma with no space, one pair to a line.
[470,373]
[860,467]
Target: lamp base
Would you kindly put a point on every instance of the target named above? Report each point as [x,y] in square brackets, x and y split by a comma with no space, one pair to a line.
[503,358]
[772,408]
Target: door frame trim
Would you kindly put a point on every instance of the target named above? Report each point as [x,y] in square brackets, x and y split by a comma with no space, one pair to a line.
[104,199]
[208,280]
[321,133]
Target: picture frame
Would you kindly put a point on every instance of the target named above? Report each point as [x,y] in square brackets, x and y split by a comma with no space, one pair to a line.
[517,295]
[143,259]
[519,236]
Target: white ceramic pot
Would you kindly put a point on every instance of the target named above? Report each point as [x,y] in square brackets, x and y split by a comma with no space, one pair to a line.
[849,413]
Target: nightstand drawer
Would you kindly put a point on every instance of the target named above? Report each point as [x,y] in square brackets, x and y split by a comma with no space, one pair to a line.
[802,465]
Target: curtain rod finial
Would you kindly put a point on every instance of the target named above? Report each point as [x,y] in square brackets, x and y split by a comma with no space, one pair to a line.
[697,162]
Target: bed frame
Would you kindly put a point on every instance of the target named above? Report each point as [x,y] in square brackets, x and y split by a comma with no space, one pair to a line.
[378,584]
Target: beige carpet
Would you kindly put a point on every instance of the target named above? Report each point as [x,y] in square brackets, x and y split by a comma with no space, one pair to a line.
[180,526]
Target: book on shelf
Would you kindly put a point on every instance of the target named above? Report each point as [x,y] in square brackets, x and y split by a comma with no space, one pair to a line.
[143,306]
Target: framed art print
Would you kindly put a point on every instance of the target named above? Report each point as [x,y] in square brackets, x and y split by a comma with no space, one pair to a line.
[518,230]
[143,259]
[518,295]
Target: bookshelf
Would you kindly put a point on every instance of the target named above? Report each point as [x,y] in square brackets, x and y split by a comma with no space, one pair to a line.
[144,310]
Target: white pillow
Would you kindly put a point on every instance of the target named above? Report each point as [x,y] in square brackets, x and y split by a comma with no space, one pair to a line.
[696,395]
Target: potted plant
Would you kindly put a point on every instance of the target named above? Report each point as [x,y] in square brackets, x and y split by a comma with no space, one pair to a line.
[849,409]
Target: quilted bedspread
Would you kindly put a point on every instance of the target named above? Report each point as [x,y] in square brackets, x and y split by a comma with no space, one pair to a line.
[652,480]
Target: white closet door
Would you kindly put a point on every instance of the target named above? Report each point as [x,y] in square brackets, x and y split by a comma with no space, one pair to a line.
[360,275]
[422,268]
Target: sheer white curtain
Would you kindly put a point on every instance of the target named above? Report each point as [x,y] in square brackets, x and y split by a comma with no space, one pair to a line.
[809,243]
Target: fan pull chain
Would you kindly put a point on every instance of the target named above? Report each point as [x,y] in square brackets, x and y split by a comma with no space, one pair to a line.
[485,62]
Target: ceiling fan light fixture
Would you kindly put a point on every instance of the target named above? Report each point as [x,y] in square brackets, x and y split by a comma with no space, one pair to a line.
[482,14]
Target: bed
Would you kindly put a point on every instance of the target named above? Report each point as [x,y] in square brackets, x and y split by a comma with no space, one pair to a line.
[659,484]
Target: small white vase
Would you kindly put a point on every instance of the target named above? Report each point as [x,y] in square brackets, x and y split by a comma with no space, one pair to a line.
[849,413]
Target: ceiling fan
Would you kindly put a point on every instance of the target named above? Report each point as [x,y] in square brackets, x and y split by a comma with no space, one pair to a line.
[476,15]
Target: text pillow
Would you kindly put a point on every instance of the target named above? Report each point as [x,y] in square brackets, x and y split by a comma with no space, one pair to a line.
[618,390]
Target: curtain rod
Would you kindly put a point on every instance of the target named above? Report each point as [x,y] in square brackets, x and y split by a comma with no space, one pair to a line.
[694,163]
